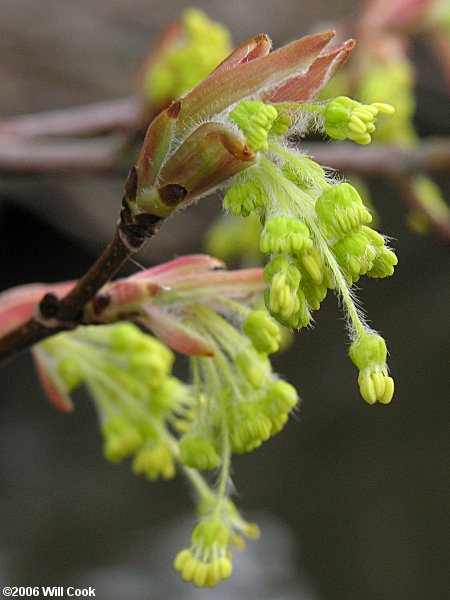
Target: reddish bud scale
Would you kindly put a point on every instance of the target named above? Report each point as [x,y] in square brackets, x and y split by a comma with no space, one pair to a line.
[180,267]
[156,145]
[18,304]
[216,94]
[306,87]
[53,386]
[182,160]
[210,155]
[257,47]
[122,296]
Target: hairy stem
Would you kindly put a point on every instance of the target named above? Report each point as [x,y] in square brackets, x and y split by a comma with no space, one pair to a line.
[354,317]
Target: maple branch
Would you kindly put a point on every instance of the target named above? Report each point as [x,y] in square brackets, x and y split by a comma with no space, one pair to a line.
[431,155]
[34,156]
[89,119]
[53,314]
[102,155]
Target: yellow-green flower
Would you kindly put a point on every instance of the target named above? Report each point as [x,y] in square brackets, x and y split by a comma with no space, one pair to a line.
[347,119]
[368,352]
[207,561]
[155,461]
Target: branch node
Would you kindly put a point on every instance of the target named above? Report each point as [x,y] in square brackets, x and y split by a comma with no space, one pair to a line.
[46,314]
[134,231]
[49,306]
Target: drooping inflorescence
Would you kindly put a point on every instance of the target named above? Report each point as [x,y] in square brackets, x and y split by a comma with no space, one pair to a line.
[315,229]
[233,404]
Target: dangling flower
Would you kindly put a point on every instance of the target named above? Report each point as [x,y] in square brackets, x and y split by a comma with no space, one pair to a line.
[208,560]
[368,352]
[348,119]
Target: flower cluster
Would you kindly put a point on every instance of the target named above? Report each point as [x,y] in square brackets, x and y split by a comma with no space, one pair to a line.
[235,389]
[206,315]
[315,230]
[316,235]
[234,403]
[128,374]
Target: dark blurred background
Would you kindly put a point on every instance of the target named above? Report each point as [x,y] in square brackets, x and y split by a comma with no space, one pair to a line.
[350,498]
